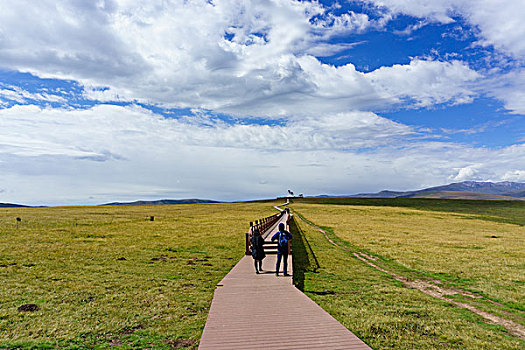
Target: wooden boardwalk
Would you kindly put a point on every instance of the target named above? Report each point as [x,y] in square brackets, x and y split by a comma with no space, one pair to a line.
[263,311]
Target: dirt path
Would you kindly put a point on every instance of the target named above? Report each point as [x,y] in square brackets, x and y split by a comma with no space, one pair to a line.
[431,289]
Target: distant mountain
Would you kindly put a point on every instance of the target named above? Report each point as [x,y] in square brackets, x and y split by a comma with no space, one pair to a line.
[165,202]
[382,194]
[459,195]
[11,205]
[518,194]
[460,190]
[505,188]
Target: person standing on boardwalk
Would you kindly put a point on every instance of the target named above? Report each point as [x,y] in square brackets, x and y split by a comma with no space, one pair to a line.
[283,237]
[258,253]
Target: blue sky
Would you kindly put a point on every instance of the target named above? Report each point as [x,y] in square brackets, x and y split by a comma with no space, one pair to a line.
[121,100]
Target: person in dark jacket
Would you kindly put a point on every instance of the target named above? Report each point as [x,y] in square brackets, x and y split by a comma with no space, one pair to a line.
[258,253]
[283,237]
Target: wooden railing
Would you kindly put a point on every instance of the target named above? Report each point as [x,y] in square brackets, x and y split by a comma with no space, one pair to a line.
[263,225]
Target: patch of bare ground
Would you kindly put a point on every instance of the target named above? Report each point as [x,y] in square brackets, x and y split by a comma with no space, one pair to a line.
[433,290]
[181,343]
[131,330]
[369,257]
[28,308]
[116,343]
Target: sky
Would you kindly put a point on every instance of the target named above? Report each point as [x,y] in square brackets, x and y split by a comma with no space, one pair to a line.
[121,100]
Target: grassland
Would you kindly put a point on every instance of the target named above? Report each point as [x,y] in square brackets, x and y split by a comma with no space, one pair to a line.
[478,249]
[493,210]
[108,277]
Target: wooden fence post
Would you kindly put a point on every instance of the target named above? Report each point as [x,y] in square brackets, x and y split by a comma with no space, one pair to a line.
[265,223]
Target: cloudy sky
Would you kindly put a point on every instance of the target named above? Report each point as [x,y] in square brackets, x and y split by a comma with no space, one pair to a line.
[110,100]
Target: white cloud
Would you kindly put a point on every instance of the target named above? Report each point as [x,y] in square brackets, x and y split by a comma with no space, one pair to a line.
[468,173]
[243,58]
[250,58]
[514,175]
[344,23]
[427,82]
[121,132]
[509,88]
[441,11]
[499,24]
[17,94]
[500,21]
[106,153]
[326,50]
[411,28]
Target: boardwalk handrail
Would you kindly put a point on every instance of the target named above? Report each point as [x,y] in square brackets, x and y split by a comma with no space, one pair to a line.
[263,225]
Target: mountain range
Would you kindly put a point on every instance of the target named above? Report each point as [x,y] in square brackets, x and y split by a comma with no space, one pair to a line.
[460,190]
[165,202]
[505,190]
[11,205]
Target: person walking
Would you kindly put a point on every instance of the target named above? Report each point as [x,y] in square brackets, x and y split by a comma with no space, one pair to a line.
[258,253]
[283,237]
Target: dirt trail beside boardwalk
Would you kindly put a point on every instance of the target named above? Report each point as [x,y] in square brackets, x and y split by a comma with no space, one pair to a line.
[431,289]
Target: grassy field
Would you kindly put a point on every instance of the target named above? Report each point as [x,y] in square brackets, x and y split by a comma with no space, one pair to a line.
[106,277]
[493,210]
[476,250]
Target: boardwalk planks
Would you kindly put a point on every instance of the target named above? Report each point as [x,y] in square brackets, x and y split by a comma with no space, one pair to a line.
[251,311]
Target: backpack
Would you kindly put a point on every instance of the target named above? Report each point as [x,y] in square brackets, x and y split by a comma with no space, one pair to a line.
[283,240]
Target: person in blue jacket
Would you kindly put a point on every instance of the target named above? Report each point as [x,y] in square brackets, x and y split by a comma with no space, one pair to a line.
[282,237]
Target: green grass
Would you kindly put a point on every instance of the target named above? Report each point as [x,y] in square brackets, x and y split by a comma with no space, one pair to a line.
[455,249]
[386,315]
[68,261]
[443,246]
[492,210]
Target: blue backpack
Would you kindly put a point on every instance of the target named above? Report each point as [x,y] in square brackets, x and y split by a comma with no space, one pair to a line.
[283,239]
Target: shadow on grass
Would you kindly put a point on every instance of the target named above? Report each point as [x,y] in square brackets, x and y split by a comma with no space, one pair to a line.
[304,259]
